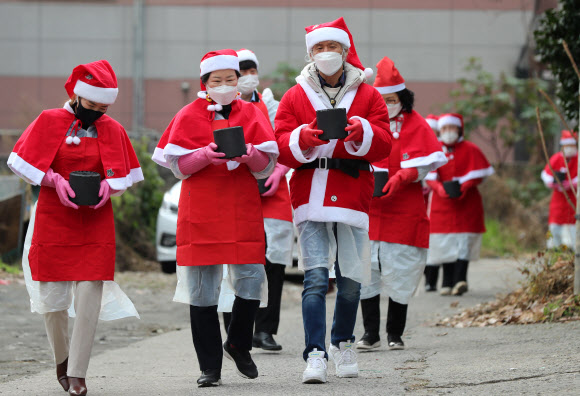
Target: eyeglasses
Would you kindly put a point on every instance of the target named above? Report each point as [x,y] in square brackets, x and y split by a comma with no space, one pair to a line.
[392,101]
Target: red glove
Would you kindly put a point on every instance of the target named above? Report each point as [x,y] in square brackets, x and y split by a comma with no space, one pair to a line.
[309,136]
[401,178]
[355,129]
[437,186]
[469,184]
[105,193]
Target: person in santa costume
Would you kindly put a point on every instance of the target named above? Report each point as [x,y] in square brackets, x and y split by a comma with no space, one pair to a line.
[457,224]
[70,249]
[562,222]
[399,226]
[220,216]
[431,271]
[331,188]
[276,208]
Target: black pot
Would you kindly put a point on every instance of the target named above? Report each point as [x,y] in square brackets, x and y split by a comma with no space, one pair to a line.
[262,186]
[381,178]
[452,188]
[86,186]
[332,122]
[230,141]
[561,176]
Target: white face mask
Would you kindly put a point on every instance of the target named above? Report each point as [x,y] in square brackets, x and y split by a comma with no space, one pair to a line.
[569,151]
[248,83]
[449,138]
[328,63]
[394,109]
[223,94]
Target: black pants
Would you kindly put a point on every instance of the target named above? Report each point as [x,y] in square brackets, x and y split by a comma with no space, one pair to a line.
[268,319]
[431,275]
[396,316]
[454,273]
[205,331]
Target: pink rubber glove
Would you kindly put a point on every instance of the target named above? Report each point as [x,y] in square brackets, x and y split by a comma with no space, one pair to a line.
[255,159]
[309,136]
[63,189]
[105,193]
[401,178]
[437,186]
[356,131]
[194,162]
[275,178]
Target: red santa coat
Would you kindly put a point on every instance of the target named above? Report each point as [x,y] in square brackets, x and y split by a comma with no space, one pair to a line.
[220,217]
[277,206]
[560,210]
[465,215]
[402,217]
[331,195]
[69,244]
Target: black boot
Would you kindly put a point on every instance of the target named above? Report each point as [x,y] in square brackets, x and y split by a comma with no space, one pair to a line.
[460,277]
[268,319]
[448,275]
[371,313]
[431,277]
[239,343]
[211,377]
[207,339]
[396,321]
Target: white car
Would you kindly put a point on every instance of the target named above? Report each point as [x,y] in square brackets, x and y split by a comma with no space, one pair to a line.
[167,226]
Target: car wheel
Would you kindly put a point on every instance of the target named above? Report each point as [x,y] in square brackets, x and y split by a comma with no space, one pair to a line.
[168,267]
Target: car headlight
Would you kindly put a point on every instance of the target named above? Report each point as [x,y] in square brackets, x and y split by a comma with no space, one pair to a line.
[167,240]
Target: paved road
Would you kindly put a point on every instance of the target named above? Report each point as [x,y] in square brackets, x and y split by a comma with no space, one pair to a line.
[533,359]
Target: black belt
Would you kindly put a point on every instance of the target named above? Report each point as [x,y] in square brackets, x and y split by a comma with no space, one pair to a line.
[349,166]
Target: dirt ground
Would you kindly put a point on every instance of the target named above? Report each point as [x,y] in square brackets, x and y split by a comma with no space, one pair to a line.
[24,348]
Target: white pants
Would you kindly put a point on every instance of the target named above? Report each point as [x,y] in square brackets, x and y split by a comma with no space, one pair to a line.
[77,348]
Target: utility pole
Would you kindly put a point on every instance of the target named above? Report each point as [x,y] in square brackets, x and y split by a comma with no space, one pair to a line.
[138,64]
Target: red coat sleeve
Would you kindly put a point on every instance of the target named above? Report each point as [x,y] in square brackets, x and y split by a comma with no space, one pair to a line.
[286,121]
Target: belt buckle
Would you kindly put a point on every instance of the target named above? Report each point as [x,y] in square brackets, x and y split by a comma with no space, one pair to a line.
[325,162]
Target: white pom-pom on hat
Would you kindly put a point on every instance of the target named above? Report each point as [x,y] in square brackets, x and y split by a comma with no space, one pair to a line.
[369,72]
[69,140]
[396,135]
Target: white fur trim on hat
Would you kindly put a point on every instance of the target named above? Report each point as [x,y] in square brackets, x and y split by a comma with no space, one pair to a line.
[391,89]
[567,141]
[96,94]
[324,34]
[219,62]
[448,120]
[432,123]
[245,55]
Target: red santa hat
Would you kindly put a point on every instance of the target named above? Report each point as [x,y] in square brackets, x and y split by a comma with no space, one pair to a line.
[450,119]
[335,31]
[246,54]
[567,138]
[95,81]
[388,79]
[216,60]
[432,121]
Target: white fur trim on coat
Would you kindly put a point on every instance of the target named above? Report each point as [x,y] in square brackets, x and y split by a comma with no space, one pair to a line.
[307,156]
[475,174]
[324,34]
[431,176]
[360,149]
[433,160]
[24,170]
[546,178]
[122,183]
[96,94]
[158,158]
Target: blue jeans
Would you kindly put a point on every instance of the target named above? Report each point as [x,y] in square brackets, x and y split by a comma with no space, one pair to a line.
[314,309]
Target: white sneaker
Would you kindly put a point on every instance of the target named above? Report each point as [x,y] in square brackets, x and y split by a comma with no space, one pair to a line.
[344,359]
[315,372]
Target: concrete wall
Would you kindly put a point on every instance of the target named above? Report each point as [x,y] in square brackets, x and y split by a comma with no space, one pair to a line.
[40,43]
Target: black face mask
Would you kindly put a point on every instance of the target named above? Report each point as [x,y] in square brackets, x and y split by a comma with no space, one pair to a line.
[86,116]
